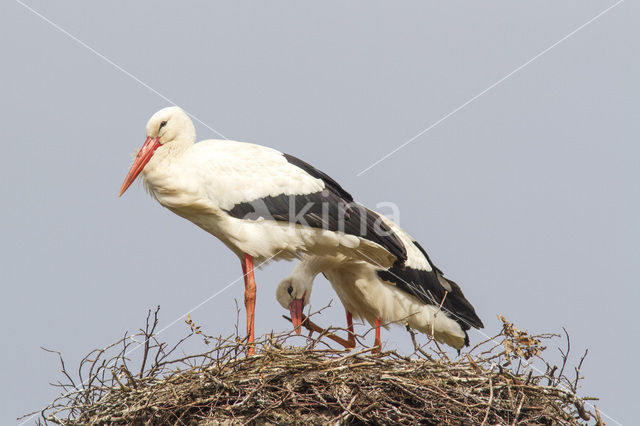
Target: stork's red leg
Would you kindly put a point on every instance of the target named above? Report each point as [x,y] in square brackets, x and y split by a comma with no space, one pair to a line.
[352,336]
[377,344]
[306,322]
[249,298]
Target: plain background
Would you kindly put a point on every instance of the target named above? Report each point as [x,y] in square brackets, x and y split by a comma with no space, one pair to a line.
[528,197]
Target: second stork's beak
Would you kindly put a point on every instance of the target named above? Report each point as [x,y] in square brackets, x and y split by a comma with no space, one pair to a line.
[143,157]
[295,308]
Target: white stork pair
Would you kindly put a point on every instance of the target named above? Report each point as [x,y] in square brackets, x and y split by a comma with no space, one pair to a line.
[265,205]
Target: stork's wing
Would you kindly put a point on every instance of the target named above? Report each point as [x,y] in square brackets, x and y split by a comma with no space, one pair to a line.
[270,185]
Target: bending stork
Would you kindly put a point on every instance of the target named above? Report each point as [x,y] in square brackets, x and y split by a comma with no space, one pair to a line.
[414,292]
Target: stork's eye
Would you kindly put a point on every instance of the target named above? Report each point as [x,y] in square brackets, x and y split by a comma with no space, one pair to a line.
[164,123]
[290,290]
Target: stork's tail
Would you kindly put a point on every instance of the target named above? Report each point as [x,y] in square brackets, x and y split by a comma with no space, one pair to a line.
[460,309]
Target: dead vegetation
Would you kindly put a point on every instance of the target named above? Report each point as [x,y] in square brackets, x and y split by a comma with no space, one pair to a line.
[494,383]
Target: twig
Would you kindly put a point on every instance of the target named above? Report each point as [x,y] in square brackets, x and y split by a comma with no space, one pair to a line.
[147,334]
[577,369]
[599,421]
[486,416]
[565,356]
[417,347]
[515,419]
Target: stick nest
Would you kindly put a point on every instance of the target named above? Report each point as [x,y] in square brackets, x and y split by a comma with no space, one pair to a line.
[494,383]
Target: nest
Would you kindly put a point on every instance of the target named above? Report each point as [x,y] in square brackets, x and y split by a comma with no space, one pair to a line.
[315,384]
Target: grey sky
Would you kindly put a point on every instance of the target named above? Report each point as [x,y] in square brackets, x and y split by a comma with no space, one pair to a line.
[528,197]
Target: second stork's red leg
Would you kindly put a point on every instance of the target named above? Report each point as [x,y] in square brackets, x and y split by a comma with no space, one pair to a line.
[377,344]
[352,336]
[306,322]
[249,299]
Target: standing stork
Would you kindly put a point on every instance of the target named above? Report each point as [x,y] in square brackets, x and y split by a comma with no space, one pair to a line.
[413,291]
[262,204]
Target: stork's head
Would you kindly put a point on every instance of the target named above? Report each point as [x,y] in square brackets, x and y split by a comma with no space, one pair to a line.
[293,293]
[169,125]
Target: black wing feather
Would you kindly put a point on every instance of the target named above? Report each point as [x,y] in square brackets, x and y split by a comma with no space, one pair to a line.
[430,288]
[332,209]
[329,182]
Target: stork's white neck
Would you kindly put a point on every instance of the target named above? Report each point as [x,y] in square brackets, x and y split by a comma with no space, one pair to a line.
[310,266]
[162,174]
[165,155]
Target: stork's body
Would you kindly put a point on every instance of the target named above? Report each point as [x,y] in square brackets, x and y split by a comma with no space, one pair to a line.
[231,188]
[262,204]
[413,292]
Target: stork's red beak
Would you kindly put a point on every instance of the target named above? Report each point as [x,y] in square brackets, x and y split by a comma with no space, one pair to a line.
[295,307]
[143,157]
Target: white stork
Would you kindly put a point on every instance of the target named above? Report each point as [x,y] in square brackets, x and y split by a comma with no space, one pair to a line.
[414,291]
[262,204]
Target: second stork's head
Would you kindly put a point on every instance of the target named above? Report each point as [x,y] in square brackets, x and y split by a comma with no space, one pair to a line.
[165,127]
[293,293]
